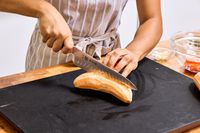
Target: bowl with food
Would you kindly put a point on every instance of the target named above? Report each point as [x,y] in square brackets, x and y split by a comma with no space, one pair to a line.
[186,45]
[160,54]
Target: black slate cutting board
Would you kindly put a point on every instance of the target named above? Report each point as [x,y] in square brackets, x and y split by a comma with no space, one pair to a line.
[165,100]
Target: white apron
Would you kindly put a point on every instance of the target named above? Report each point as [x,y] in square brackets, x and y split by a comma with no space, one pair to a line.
[93,24]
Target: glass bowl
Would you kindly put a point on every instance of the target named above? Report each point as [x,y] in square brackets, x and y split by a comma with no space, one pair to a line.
[186,45]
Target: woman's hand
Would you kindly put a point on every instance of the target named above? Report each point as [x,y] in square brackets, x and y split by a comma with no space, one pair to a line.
[121,60]
[55,31]
[146,37]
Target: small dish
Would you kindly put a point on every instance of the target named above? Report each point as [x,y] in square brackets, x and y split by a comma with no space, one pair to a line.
[160,54]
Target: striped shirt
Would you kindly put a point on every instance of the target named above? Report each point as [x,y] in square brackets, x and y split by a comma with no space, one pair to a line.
[93,24]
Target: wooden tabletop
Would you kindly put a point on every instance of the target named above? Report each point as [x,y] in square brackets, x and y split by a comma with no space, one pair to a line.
[15,79]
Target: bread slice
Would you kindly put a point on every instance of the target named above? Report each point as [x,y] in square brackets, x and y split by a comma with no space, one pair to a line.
[100,82]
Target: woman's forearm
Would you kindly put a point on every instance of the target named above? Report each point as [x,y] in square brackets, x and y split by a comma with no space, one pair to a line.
[32,8]
[150,30]
[146,37]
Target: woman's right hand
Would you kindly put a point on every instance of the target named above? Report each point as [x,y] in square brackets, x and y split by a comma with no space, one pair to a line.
[55,30]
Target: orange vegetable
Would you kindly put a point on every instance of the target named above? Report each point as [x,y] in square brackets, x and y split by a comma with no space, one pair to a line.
[192,66]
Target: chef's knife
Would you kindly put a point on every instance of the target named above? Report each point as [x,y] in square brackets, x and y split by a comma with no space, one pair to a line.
[88,63]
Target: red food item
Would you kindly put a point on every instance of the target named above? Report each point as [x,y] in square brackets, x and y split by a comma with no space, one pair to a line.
[192,66]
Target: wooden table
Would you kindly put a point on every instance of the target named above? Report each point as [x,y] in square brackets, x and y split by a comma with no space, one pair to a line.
[15,79]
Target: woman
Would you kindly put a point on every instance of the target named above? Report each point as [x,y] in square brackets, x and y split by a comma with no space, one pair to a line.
[90,25]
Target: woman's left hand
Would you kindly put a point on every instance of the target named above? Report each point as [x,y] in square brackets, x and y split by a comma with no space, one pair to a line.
[121,59]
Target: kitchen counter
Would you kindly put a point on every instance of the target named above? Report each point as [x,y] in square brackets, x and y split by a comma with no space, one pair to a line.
[15,79]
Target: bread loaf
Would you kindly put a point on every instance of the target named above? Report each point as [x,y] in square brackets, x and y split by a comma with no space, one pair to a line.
[100,82]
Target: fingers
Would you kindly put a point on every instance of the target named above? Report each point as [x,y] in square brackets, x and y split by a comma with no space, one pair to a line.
[107,58]
[68,45]
[49,37]
[57,38]
[122,63]
[113,57]
[127,64]
[45,38]
[121,60]
[55,32]
[58,43]
[128,69]
[46,35]
[50,42]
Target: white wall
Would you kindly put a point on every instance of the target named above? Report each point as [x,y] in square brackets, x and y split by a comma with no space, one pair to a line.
[180,15]
[15,30]
[15,33]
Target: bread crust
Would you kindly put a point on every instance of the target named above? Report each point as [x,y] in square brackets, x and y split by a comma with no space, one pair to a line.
[100,82]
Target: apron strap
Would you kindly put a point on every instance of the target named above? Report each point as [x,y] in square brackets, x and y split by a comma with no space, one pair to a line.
[92,45]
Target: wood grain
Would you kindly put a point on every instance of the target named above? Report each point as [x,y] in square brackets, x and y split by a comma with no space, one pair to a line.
[35,75]
[195,130]
[197,80]
[5,127]
[20,78]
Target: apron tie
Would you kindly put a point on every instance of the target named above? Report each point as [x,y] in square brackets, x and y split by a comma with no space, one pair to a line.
[97,46]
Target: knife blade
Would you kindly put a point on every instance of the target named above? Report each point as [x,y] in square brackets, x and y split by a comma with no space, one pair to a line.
[90,64]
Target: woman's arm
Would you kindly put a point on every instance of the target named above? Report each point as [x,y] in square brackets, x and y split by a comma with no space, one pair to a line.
[54,29]
[33,8]
[150,29]
[146,37]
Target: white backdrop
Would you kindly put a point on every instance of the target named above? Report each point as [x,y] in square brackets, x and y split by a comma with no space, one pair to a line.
[15,30]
